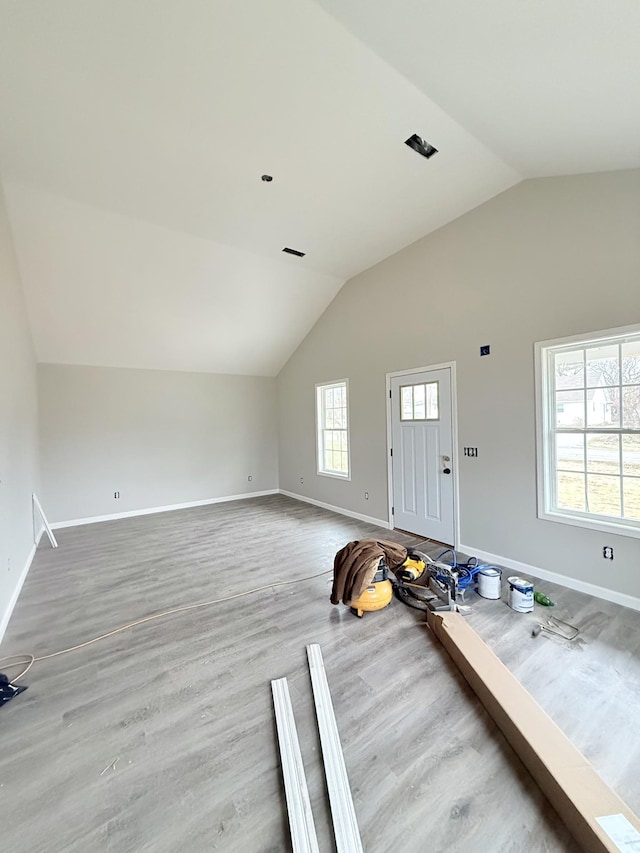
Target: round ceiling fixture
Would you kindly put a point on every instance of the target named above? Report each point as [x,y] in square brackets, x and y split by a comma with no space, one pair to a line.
[267,178]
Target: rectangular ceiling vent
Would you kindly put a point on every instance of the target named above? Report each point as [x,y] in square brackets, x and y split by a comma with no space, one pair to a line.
[421,146]
[294,252]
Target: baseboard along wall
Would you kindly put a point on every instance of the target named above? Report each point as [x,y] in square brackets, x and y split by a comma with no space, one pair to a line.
[6,616]
[369,519]
[524,569]
[95,519]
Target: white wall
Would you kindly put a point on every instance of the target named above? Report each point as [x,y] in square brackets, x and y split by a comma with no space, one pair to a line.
[18,427]
[158,437]
[548,258]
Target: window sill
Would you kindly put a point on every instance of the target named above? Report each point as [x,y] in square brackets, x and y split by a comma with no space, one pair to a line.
[334,476]
[620,529]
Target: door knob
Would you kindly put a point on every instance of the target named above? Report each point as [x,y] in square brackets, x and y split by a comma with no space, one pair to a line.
[446,471]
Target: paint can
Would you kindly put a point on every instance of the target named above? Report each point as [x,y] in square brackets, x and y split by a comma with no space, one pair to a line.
[490,583]
[520,595]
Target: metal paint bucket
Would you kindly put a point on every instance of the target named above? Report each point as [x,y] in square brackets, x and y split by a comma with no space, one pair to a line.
[520,595]
[490,583]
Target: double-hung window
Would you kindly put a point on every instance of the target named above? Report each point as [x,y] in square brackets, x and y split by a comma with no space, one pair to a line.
[332,411]
[589,430]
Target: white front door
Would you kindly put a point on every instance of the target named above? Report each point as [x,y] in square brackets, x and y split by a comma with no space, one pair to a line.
[422,454]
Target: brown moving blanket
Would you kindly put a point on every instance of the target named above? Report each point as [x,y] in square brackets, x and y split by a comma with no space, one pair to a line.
[355,565]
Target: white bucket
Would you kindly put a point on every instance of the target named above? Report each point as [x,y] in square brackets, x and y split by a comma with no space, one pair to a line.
[490,583]
[520,595]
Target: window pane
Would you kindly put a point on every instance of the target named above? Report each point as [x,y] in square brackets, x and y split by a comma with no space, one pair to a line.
[603,454]
[570,408]
[631,407]
[631,488]
[603,407]
[569,369]
[570,451]
[332,441]
[419,410]
[603,495]
[433,403]
[570,491]
[603,366]
[631,363]
[406,403]
[594,397]
[631,455]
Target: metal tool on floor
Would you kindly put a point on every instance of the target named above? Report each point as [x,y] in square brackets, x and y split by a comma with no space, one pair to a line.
[556,627]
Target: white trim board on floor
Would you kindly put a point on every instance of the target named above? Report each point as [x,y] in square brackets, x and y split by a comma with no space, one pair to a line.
[562,580]
[379,522]
[6,616]
[152,510]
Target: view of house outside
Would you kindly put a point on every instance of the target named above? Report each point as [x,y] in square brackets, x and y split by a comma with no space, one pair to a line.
[597,429]
[333,437]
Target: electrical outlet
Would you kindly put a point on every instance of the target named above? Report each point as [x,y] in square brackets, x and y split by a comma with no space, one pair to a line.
[366,496]
[116,495]
[8,564]
[470,451]
[250,477]
[485,350]
[301,481]
[607,552]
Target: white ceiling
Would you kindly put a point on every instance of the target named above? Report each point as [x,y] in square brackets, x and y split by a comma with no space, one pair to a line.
[133,136]
[551,86]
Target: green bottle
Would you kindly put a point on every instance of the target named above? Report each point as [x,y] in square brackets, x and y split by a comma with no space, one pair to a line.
[541,598]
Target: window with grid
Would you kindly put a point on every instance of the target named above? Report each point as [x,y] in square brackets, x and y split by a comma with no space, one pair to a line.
[419,402]
[333,429]
[589,430]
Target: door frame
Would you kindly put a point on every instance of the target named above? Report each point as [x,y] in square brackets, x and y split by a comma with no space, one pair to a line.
[454,429]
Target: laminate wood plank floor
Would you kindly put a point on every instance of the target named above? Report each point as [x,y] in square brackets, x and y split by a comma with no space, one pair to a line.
[162,738]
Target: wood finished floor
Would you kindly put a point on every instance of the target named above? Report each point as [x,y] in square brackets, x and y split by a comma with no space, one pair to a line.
[185,705]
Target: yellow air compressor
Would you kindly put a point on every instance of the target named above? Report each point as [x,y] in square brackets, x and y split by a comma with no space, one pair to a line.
[380,591]
[377,595]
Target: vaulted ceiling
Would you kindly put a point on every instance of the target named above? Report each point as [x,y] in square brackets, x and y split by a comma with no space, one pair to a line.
[133,138]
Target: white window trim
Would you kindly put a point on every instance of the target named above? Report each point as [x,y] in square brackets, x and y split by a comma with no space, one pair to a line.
[319,471]
[544,487]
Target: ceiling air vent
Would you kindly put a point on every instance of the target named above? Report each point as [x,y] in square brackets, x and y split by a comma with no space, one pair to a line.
[421,146]
[294,252]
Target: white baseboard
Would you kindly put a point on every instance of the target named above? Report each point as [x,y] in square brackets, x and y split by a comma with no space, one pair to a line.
[563,580]
[152,510]
[6,616]
[379,522]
